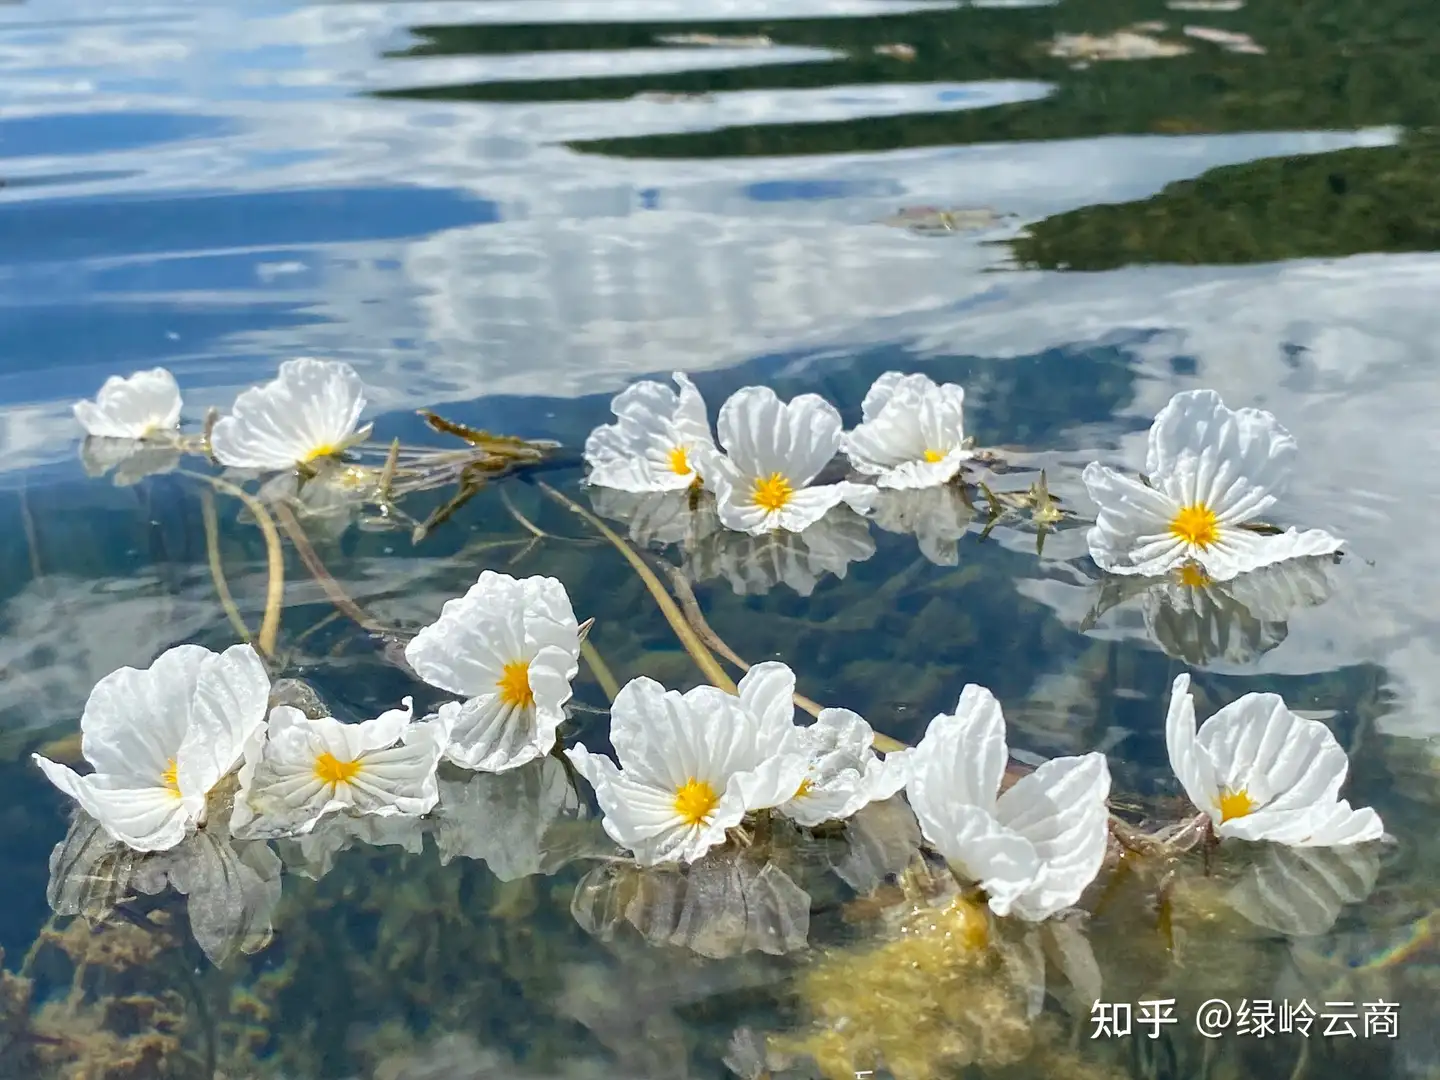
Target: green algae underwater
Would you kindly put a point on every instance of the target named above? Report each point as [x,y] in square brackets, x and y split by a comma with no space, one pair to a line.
[515,942]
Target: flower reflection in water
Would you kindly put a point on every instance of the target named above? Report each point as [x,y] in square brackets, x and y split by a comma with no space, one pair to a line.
[1235,622]
[756,564]
[936,516]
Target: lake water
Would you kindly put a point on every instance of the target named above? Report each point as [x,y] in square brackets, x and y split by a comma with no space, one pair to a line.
[508,210]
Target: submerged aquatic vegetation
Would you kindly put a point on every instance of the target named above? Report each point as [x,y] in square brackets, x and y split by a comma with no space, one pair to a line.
[742,830]
[1210,473]
[1262,773]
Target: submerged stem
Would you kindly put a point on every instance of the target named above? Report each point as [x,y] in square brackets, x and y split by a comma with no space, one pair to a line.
[601,670]
[217,566]
[274,555]
[703,657]
[333,589]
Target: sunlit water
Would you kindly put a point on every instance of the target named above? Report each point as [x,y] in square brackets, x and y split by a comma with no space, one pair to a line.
[507,210]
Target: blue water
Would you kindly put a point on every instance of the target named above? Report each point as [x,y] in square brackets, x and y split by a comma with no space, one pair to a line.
[508,210]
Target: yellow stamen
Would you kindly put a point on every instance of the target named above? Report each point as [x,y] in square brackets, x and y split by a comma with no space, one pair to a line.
[331,770]
[773,492]
[1194,576]
[1196,524]
[514,684]
[323,450]
[806,786]
[679,462]
[1234,804]
[170,778]
[696,801]
[933,456]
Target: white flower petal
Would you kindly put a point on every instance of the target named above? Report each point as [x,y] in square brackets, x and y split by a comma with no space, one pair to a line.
[1202,452]
[401,779]
[1131,533]
[1061,809]
[1259,746]
[1003,862]
[912,435]
[962,756]
[1240,551]
[136,407]
[657,443]
[311,409]
[142,818]
[232,692]
[767,692]
[136,719]
[1190,762]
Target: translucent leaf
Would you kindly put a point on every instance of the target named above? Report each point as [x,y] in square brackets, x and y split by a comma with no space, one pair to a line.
[882,839]
[725,904]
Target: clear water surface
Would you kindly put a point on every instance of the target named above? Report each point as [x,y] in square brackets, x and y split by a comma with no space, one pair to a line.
[508,210]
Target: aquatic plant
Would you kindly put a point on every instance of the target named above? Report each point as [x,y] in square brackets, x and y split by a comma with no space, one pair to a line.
[726,827]
[1210,473]
[1262,773]
[140,406]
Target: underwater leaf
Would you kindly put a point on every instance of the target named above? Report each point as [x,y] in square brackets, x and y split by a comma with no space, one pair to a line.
[232,887]
[1300,892]
[725,904]
[882,839]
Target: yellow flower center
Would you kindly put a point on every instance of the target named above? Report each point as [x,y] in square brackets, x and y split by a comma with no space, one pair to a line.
[170,778]
[696,801]
[323,450]
[1193,575]
[1234,804]
[679,462]
[806,786]
[933,456]
[1196,525]
[514,684]
[773,492]
[331,770]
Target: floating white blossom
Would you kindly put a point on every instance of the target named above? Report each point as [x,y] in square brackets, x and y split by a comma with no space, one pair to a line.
[756,564]
[1262,773]
[660,518]
[1210,471]
[692,765]
[775,450]
[298,769]
[511,648]
[660,441]
[139,406]
[1034,849]
[845,773]
[310,410]
[160,738]
[912,434]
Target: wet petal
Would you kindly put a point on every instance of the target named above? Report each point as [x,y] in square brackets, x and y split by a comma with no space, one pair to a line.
[135,407]
[310,409]
[1190,762]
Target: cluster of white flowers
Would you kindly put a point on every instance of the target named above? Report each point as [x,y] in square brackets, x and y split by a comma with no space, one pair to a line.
[691,767]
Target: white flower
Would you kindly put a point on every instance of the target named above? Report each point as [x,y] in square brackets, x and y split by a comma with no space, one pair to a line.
[160,738]
[310,410]
[1210,470]
[756,564]
[775,450]
[299,769]
[692,765]
[1262,773]
[511,647]
[912,434]
[845,773]
[1033,849]
[660,442]
[937,516]
[138,407]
